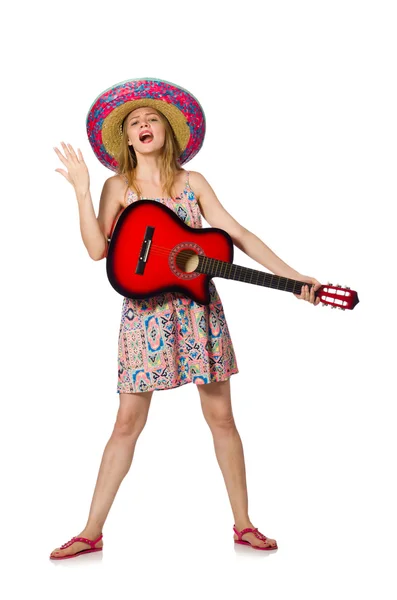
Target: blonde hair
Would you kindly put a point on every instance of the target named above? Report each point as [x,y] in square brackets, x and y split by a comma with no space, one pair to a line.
[169,164]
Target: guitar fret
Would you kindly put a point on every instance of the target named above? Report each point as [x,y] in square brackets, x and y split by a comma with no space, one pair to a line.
[220,268]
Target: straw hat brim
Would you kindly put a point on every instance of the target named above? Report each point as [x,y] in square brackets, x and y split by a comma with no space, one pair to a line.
[180,107]
[111,128]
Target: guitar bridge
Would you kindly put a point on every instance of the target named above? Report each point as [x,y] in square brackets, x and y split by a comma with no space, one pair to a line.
[147,241]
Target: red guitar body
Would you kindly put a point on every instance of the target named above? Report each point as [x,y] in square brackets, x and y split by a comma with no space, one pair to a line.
[161,271]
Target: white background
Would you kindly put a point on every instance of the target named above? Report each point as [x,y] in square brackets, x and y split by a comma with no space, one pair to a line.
[300,102]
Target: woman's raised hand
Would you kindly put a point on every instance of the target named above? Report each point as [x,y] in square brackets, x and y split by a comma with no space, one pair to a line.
[77,173]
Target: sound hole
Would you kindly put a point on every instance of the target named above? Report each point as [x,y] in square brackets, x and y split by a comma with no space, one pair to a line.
[187,261]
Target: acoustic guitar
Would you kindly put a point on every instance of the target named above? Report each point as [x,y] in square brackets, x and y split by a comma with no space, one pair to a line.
[152,251]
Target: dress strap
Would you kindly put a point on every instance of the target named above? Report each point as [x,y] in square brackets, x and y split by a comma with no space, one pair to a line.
[187,185]
[128,190]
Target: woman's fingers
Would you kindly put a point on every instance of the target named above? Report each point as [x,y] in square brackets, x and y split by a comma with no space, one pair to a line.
[65,149]
[304,293]
[61,156]
[309,294]
[62,172]
[315,301]
[71,151]
[317,286]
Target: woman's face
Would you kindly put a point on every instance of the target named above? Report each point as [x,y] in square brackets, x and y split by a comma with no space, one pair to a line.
[146,132]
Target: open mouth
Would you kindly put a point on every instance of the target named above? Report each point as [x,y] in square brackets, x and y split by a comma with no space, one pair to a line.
[146,138]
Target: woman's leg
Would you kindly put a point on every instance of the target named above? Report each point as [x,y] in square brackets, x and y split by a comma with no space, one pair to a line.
[116,461]
[217,410]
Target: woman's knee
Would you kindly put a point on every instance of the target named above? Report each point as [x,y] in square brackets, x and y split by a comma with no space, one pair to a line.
[219,418]
[216,405]
[132,414]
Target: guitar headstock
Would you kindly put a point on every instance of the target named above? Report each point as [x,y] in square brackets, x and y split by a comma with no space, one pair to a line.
[337,296]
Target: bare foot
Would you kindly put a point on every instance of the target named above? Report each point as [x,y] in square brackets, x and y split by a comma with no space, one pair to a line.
[251,537]
[78,546]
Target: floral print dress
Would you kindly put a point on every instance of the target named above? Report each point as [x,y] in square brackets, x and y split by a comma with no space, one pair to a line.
[168,340]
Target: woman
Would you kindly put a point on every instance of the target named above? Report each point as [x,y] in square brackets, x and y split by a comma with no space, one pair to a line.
[145,130]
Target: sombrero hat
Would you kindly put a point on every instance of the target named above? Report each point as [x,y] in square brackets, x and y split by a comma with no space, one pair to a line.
[180,107]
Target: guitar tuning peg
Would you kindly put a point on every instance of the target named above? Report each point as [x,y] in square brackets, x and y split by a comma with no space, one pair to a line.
[343,309]
[347,287]
[333,306]
[329,283]
[338,285]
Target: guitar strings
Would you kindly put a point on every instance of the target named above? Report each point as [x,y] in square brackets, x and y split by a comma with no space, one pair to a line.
[256,277]
[160,250]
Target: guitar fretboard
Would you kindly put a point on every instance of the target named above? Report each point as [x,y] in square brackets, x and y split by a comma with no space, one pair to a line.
[219,268]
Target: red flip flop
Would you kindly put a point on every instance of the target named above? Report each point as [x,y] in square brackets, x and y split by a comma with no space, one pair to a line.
[78,539]
[257,534]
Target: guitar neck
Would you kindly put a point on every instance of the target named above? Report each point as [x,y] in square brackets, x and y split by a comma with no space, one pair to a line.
[219,268]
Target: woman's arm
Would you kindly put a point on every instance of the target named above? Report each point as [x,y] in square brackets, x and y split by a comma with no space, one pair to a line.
[94,230]
[93,237]
[216,215]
